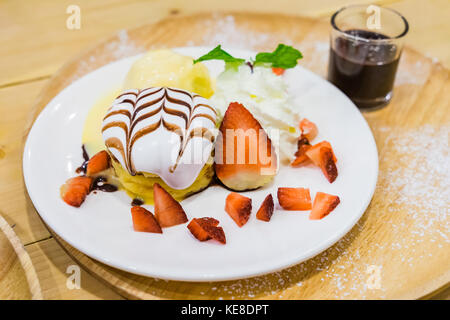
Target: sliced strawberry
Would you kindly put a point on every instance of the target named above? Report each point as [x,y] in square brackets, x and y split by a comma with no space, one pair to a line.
[325,144]
[294,198]
[300,156]
[99,162]
[266,210]
[197,231]
[309,129]
[238,207]
[168,211]
[323,204]
[144,221]
[206,228]
[216,233]
[323,157]
[75,190]
[278,71]
[244,155]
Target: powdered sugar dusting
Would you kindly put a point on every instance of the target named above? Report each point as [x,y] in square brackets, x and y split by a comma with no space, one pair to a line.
[124,46]
[120,48]
[224,30]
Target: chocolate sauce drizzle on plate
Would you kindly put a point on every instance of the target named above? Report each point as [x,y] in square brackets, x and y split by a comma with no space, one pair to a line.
[100,182]
[83,167]
[137,202]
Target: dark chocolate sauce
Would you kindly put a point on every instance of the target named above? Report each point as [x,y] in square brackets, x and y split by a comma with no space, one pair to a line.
[250,65]
[100,183]
[364,71]
[137,202]
[83,167]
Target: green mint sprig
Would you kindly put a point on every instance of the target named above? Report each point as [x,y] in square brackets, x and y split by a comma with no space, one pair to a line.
[284,57]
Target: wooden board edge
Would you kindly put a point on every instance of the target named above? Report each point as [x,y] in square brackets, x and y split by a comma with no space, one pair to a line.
[24,258]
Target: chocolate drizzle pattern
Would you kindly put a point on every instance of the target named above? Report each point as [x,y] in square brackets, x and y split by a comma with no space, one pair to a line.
[140,113]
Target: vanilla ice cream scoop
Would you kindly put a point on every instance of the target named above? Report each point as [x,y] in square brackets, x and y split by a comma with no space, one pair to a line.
[165,68]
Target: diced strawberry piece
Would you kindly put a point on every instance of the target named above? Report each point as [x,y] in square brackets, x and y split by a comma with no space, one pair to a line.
[302,142]
[325,144]
[197,231]
[309,129]
[323,157]
[216,233]
[244,156]
[266,210]
[300,160]
[75,190]
[144,221]
[294,198]
[300,156]
[99,162]
[323,204]
[168,212]
[206,228]
[238,207]
[278,71]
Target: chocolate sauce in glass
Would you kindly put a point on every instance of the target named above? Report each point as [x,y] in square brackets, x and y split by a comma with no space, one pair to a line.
[365,72]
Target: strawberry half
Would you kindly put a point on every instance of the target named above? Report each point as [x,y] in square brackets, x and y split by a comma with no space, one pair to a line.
[98,163]
[309,129]
[244,155]
[323,157]
[266,210]
[294,198]
[206,228]
[238,207]
[144,221]
[75,190]
[168,212]
[323,204]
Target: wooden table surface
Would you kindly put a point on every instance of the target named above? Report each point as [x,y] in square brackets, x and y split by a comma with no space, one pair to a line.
[36,42]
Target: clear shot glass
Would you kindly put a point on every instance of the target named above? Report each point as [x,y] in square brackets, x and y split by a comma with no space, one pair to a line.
[366,45]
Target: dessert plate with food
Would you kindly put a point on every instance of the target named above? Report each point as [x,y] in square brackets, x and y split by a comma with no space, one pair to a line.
[201,164]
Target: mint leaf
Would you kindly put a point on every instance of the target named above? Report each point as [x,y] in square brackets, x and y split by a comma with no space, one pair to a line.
[218,54]
[283,57]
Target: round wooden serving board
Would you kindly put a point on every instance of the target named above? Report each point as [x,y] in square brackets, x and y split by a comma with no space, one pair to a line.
[399,248]
[18,279]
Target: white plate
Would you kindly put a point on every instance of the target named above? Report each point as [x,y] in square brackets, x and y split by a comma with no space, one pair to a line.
[102,227]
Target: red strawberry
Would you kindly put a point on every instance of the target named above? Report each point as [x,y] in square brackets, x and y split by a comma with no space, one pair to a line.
[244,155]
[309,129]
[168,211]
[206,228]
[75,190]
[294,198]
[323,204]
[327,145]
[301,157]
[278,71]
[266,210]
[99,162]
[238,207]
[323,157]
[144,221]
